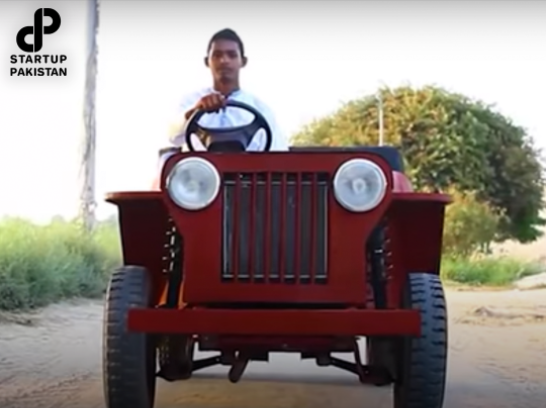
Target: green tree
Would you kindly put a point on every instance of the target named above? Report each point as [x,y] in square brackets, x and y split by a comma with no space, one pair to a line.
[448,140]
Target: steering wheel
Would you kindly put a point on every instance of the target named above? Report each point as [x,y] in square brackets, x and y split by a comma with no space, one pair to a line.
[236,135]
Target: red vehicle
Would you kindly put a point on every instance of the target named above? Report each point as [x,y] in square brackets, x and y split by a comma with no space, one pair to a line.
[299,252]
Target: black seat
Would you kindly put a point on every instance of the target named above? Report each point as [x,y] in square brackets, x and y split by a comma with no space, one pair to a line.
[169,149]
[221,147]
[389,153]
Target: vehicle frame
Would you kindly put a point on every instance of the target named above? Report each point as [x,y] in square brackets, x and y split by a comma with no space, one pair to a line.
[340,275]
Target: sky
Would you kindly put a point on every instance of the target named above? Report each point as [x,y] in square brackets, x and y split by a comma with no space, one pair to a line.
[305,59]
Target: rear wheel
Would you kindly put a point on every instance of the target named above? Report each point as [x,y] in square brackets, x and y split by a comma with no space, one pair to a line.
[422,361]
[129,359]
[175,355]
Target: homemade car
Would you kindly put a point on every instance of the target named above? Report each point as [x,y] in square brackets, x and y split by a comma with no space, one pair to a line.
[300,252]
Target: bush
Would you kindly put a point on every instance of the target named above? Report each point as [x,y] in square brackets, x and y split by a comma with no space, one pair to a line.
[40,265]
[470,226]
[45,264]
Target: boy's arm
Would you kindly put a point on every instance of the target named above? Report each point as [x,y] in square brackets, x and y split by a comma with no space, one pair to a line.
[176,127]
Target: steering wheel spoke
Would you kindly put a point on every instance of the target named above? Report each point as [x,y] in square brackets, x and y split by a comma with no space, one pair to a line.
[238,134]
[247,131]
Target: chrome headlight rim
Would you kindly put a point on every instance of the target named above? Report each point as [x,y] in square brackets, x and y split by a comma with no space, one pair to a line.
[370,205]
[171,178]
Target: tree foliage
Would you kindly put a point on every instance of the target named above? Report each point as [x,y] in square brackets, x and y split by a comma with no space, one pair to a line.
[448,140]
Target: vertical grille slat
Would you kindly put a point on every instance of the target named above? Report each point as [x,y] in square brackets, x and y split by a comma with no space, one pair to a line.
[275,228]
[281,225]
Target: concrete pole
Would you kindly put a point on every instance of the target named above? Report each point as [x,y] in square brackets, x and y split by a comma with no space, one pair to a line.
[87,203]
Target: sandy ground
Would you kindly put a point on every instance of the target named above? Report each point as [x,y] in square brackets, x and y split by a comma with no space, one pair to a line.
[497,348]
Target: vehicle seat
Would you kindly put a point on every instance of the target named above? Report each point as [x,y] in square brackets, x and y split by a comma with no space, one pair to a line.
[169,149]
[390,153]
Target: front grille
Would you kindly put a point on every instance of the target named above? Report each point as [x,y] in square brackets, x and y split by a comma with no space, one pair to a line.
[275,227]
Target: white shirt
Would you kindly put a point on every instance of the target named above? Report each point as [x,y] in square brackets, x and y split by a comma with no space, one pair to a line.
[226,118]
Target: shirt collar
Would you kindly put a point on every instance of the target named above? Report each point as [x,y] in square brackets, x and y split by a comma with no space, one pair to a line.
[237,92]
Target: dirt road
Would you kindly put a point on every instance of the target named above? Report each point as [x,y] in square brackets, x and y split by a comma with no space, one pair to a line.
[497,349]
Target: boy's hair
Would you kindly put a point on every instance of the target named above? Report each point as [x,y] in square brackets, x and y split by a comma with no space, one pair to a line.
[229,35]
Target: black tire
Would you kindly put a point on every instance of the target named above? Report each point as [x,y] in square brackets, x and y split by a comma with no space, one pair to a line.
[129,359]
[422,361]
[175,357]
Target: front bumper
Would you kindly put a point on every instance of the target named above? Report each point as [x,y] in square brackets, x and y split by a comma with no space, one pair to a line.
[350,322]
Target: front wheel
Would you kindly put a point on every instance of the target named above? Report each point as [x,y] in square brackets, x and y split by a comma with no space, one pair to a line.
[129,359]
[422,361]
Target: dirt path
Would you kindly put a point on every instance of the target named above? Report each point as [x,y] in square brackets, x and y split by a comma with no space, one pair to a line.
[497,342]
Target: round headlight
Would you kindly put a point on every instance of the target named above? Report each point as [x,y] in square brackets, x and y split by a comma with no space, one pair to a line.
[193,183]
[359,185]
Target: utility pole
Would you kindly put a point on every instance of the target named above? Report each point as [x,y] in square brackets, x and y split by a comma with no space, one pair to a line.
[379,98]
[87,202]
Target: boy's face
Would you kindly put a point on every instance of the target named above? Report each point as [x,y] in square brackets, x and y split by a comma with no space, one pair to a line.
[225,60]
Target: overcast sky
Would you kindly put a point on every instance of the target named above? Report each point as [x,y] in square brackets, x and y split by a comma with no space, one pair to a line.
[305,58]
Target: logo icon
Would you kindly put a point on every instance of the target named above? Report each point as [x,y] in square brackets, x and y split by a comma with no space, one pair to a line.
[38,30]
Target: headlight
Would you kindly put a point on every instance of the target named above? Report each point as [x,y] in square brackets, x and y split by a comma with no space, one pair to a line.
[359,185]
[193,183]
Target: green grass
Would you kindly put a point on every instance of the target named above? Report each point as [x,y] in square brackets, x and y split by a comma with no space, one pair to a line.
[40,265]
[488,271]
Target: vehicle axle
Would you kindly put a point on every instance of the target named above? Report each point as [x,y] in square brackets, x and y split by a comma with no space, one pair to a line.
[238,368]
